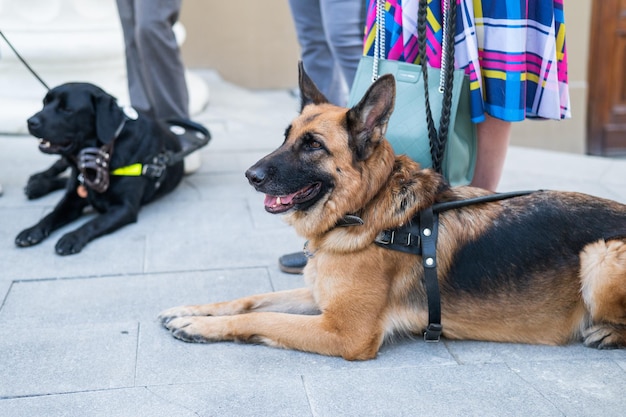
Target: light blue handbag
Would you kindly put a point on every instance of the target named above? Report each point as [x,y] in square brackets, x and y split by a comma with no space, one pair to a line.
[408,129]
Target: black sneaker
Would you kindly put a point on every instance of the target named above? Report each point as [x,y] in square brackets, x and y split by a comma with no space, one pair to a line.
[292,263]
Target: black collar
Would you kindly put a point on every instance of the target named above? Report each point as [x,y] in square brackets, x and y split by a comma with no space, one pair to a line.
[94,163]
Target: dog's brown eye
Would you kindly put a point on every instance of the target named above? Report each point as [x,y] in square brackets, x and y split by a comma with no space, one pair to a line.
[314,145]
[65,109]
[310,143]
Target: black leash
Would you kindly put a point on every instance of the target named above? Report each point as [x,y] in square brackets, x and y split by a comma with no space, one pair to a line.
[32,71]
[438,139]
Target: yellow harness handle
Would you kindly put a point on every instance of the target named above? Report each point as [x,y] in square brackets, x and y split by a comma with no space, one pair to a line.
[134,170]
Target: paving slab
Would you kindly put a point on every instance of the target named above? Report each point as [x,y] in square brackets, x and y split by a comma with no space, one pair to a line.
[471,390]
[53,360]
[476,352]
[236,396]
[41,261]
[138,297]
[133,402]
[578,387]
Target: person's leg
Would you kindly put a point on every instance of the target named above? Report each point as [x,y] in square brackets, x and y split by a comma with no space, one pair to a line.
[163,72]
[493,141]
[330,33]
[344,24]
[316,55]
[138,97]
[320,66]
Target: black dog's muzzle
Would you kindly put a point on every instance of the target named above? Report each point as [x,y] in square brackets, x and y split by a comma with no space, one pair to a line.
[93,164]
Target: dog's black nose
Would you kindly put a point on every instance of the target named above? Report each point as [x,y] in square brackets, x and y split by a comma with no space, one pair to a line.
[33,122]
[256,176]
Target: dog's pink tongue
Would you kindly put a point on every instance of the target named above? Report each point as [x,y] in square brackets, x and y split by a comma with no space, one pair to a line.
[270,200]
[273,201]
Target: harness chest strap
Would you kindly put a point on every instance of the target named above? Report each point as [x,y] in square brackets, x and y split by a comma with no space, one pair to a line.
[100,183]
[419,237]
[94,163]
[428,227]
[154,170]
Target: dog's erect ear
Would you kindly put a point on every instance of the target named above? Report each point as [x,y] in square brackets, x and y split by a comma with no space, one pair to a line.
[309,93]
[109,117]
[367,120]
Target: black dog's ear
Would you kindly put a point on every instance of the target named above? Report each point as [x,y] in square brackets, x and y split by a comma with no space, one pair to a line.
[109,117]
[309,93]
[367,120]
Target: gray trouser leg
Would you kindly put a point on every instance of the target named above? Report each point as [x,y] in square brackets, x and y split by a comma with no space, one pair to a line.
[330,33]
[156,74]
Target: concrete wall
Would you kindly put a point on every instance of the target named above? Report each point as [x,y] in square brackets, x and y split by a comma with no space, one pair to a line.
[253,44]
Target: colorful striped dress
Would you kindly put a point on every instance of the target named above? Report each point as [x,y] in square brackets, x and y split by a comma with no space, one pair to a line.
[512,50]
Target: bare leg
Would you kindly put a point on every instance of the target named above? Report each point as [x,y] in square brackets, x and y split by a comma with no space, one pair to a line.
[493,141]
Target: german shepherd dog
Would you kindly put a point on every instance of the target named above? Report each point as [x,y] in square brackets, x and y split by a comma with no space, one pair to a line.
[544,268]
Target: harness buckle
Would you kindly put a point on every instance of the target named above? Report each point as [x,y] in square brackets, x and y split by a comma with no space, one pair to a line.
[401,240]
[433,332]
[153,170]
[385,237]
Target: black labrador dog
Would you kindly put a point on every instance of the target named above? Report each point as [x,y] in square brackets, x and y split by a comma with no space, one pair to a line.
[120,160]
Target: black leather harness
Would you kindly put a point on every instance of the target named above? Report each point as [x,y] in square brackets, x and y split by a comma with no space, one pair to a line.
[94,163]
[419,237]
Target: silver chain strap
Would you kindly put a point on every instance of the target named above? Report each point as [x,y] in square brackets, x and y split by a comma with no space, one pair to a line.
[379,42]
[444,47]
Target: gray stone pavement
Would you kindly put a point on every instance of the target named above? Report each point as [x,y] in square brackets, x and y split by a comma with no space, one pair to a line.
[79,335]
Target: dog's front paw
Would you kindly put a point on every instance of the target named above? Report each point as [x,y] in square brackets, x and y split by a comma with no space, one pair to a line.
[189,329]
[70,244]
[31,236]
[175,312]
[39,185]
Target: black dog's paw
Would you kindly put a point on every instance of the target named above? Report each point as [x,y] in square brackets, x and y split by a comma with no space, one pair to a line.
[39,185]
[31,236]
[70,244]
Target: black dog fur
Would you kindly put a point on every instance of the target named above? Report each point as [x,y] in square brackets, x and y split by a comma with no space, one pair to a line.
[80,115]
[47,181]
